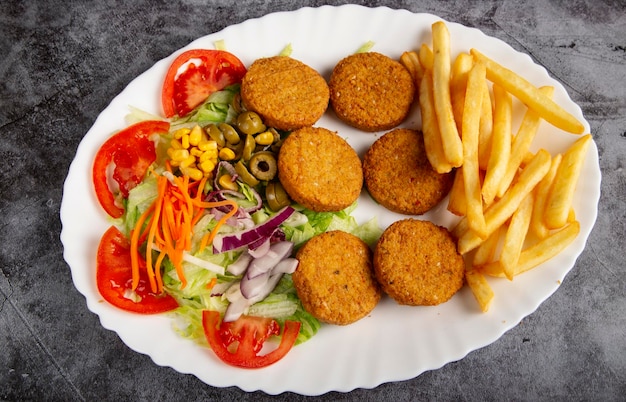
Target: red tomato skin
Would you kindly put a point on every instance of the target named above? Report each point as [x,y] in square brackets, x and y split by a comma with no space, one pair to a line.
[114,277]
[182,93]
[131,151]
[250,333]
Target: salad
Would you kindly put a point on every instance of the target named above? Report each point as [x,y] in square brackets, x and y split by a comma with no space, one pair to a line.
[201,226]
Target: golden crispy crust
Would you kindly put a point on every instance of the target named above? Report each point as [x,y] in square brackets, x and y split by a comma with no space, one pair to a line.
[399,176]
[371,91]
[285,92]
[417,263]
[319,169]
[335,279]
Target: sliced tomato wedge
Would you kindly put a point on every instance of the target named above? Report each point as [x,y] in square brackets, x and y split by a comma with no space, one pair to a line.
[122,162]
[238,343]
[114,278]
[206,71]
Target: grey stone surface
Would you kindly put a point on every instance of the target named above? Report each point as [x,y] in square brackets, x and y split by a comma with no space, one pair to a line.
[62,62]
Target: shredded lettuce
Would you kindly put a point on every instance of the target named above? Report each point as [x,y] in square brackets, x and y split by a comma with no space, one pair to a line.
[282,304]
[320,222]
[136,115]
[216,109]
[366,47]
[139,199]
[287,50]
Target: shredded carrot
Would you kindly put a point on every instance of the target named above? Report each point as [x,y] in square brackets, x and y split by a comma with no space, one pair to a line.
[212,283]
[169,224]
[157,271]
[136,238]
[208,238]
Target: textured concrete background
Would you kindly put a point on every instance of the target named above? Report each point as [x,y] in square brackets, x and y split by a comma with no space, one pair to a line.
[62,62]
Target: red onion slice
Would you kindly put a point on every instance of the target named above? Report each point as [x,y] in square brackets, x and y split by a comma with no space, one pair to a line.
[277,252]
[233,241]
[286,266]
[251,287]
[240,265]
[259,250]
[267,289]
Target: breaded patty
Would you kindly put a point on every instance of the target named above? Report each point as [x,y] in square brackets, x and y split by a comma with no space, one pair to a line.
[335,279]
[285,92]
[417,263]
[371,91]
[319,169]
[399,176]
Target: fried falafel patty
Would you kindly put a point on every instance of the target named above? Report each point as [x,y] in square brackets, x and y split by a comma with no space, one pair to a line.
[399,176]
[319,169]
[335,279]
[371,91]
[285,92]
[416,263]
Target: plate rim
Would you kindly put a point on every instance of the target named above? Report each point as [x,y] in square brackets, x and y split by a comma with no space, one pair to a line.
[274,389]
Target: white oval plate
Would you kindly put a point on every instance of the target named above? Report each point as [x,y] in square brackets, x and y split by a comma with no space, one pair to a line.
[393,343]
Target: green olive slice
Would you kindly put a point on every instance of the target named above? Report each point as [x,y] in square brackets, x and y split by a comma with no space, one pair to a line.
[276,196]
[250,122]
[215,134]
[263,165]
[230,134]
[245,175]
[248,148]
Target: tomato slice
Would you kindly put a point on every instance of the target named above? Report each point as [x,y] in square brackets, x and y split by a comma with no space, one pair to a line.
[208,71]
[246,336]
[130,152]
[114,277]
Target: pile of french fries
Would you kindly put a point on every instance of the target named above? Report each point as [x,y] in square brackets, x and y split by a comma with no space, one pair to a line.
[515,205]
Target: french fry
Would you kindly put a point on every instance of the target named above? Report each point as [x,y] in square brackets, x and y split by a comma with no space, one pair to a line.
[480,289]
[529,95]
[430,126]
[493,268]
[502,209]
[500,144]
[456,196]
[426,57]
[471,123]
[537,223]
[562,193]
[547,248]
[458,85]
[486,252]
[515,236]
[571,217]
[527,158]
[411,62]
[485,130]
[538,253]
[452,146]
[521,143]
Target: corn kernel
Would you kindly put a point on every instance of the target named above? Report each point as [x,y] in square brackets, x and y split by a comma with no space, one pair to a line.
[208,155]
[193,173]
[176,144]
[178,134]
[207,166]
[226,182]
[179,154]
[195,152]
[266,138]
[185,141]
[207,145]
[195,136]
[190,160]
[226,154]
